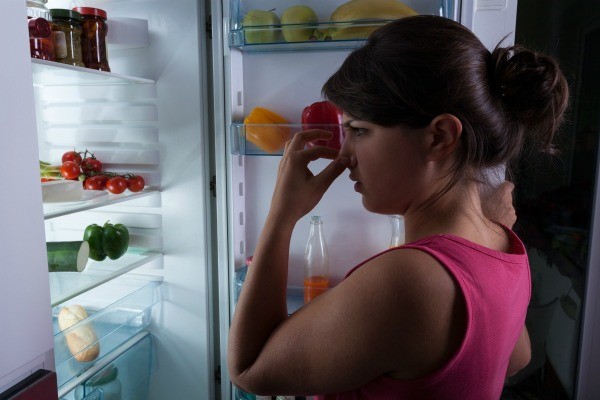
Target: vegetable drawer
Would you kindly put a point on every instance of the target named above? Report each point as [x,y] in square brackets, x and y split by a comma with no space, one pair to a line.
[91,325]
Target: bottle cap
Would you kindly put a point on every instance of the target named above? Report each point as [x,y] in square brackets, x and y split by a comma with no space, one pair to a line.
[91,11]
[64,13]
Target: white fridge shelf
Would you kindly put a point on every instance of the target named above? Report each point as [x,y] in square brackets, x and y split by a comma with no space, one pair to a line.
[50,73]
[67,285]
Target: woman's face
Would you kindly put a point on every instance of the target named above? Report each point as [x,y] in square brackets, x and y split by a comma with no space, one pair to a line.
[388,165]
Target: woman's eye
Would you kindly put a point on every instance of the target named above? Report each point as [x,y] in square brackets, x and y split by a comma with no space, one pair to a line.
[358,131]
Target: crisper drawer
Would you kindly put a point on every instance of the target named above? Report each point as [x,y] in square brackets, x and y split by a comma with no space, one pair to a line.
[116,311]
[127,377]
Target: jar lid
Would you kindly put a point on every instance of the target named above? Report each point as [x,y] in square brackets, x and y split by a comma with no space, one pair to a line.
[91,11]
[64,13]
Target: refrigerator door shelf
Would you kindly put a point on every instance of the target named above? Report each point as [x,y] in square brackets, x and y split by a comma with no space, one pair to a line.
[242,38]
[112,322]
[320,35]
[67,285]
[240,144]
[51,73]
[93,199]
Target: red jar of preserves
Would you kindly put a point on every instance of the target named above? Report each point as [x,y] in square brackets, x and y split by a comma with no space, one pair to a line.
[40,41]
[93,41]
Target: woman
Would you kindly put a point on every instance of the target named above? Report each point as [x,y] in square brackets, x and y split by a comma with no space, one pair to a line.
[427,111]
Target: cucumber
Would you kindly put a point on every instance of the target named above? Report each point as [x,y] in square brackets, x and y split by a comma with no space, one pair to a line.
[67,256]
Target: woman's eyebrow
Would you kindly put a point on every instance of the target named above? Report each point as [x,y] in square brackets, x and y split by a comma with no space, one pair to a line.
[346,124]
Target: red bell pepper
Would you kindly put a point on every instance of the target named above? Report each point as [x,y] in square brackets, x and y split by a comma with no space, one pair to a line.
[324,115]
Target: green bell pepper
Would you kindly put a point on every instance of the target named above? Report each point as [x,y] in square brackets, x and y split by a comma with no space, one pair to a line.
[93,234]
[115,240]
[108,240]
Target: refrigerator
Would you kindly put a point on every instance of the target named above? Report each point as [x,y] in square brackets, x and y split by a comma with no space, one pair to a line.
[172,109]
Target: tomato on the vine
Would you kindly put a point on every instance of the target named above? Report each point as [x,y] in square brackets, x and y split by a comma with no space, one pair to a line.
[70,170]
[91,164]
[135,183]
[97,182]
[116,185]
[72,156]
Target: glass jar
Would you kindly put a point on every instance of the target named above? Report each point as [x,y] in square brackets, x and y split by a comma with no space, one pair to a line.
[66,34]
[40,39]
[37,9]
[93,43]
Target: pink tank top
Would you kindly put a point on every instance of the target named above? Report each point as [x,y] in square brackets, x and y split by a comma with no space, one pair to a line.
[497,288]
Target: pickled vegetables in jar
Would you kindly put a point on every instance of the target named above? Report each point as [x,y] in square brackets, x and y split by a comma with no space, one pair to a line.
[93,42]
[66,34]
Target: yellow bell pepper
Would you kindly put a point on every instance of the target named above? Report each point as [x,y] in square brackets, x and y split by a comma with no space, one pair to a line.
[262,130]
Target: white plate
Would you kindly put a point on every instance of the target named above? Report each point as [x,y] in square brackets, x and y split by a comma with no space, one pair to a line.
[87,195]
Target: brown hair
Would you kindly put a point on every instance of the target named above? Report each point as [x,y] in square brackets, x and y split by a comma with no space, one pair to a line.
[416,68]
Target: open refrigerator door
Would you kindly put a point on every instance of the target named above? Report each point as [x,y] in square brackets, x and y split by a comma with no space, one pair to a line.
[146,313]
[263,58]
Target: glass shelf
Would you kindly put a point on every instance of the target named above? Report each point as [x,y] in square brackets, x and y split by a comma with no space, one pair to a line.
[272,38]
[66,285]
[277,133]
[93,199]
[324,35]
[116,312]
[50,73]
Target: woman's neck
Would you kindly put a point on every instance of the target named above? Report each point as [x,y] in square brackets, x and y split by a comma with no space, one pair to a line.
[457,212]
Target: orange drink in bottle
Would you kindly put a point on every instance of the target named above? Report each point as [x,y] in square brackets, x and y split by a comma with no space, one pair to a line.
[314,286]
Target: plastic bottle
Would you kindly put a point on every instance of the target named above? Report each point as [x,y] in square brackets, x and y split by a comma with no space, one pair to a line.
[316,261]
[239,278]
[397,223]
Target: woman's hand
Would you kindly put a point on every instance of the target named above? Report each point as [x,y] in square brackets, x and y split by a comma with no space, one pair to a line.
[297,190]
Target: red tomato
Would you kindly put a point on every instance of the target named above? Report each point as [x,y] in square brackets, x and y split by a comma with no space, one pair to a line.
[72,156]
[116,185]
[91,165]
[97,182]
[70,170]
[135,183]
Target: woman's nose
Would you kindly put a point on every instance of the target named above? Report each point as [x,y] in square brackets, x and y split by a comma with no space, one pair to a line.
[346,151]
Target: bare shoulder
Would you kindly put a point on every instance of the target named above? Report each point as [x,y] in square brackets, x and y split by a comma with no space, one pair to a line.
[424,306]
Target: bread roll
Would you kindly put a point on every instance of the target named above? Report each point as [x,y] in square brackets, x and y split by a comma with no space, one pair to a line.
[82,341]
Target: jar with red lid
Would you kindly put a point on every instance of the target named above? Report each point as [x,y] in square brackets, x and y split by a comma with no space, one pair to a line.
[40,39]
[93,41]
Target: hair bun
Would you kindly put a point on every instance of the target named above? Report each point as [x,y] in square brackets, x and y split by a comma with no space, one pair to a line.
[533,89]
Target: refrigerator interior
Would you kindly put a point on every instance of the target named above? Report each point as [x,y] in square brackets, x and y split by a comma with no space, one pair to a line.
[148,116]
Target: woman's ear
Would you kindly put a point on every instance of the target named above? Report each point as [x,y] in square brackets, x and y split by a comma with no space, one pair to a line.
[443,136]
